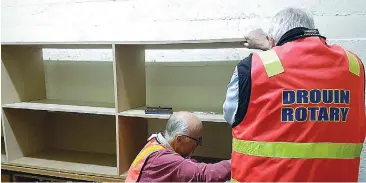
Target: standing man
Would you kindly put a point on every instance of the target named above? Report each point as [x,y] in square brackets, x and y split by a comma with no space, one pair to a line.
[297,110]
[165,157]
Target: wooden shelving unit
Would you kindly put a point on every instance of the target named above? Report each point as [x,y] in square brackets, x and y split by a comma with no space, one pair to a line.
[87,118]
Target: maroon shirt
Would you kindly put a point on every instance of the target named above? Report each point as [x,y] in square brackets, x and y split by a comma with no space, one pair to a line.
[168,166]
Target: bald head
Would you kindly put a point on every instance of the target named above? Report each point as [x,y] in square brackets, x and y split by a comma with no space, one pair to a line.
[182,123]
[183,131]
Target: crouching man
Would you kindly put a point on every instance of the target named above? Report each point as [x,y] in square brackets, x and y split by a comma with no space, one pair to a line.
[165,157]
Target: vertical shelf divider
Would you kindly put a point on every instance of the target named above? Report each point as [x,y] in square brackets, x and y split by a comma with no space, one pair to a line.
[130,93]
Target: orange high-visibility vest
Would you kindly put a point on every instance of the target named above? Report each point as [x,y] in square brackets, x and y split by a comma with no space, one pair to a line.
[136,167]
[306,117]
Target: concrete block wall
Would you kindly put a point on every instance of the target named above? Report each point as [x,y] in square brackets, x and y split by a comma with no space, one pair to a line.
[341,21]
[111,20]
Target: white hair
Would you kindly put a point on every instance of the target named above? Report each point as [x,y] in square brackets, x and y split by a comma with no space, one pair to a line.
[288,19]
[175,126]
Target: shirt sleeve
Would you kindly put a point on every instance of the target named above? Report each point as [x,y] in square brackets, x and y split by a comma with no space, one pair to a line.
[168,166]
[238,93]
[230,106]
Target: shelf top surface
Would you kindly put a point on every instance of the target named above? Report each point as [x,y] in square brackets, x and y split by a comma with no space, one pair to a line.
[102,109]
[198,41]
[204,116]
[219,43]
[65,106]
[71,161]
[62,174]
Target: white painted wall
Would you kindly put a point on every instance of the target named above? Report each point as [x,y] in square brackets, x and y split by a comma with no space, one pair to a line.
[121,20]
[341,21]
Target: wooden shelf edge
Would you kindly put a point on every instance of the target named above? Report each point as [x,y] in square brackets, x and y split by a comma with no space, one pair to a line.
[198,41]
[34,105]
[217,118]
[63,174]
[163,44]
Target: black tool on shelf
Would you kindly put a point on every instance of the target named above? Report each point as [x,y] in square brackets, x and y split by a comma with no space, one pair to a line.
[159,110]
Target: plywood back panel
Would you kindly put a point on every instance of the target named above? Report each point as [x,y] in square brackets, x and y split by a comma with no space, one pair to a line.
[199,86]
[90,81]
[129,76]
[132,136]
[185,85]
[24,132]
[22,74]
[217,138]
[81,132]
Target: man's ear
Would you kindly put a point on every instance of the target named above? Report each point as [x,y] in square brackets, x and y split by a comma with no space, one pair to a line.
[179,139]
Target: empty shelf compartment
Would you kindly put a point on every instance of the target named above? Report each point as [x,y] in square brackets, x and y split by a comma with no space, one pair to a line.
[70,142]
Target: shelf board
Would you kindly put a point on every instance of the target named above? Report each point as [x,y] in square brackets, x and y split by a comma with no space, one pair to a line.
[71,161]
[44,172]
[204,116]
[65,106]
[222,43]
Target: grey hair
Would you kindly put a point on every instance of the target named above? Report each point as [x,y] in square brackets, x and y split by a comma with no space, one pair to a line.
[175,126]
[288,19]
